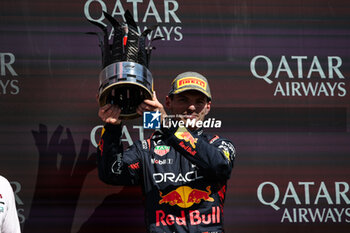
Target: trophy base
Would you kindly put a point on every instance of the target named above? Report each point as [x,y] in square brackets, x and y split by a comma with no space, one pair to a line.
[127,95]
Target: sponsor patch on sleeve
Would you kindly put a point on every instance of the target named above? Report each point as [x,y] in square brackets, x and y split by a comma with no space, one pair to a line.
[144,144]
[214,139]
[228,149]
[183,134]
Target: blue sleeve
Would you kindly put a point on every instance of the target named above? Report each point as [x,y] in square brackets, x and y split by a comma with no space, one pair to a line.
[216,157]
[116,166]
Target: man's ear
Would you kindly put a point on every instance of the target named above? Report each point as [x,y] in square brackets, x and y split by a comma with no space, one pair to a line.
[208,107]
[167,101]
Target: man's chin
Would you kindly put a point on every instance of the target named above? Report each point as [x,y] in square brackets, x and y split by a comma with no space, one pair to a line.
[190,122]
[191,119]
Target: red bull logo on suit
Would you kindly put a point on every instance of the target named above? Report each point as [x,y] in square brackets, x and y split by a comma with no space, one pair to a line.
[185,196]
[195,217]
[183,134]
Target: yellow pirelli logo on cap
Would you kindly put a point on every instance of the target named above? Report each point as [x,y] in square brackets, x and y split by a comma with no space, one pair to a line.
[191,81]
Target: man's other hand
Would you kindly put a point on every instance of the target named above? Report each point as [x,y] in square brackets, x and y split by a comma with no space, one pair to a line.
[151,105]
[110,114]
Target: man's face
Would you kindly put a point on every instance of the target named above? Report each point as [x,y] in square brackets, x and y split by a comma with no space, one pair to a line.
[190,104]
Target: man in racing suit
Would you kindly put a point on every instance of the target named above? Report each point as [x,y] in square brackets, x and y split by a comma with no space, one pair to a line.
[183,171]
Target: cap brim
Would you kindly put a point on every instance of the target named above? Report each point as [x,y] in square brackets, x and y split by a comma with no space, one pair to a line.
[190,89]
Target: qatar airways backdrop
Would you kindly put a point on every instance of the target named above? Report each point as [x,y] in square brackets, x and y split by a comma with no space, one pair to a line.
[279,73]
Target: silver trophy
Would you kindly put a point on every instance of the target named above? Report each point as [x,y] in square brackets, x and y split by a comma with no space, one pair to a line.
[125,79]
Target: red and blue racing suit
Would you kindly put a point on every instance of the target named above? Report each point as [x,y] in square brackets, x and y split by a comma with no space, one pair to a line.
[183,176]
